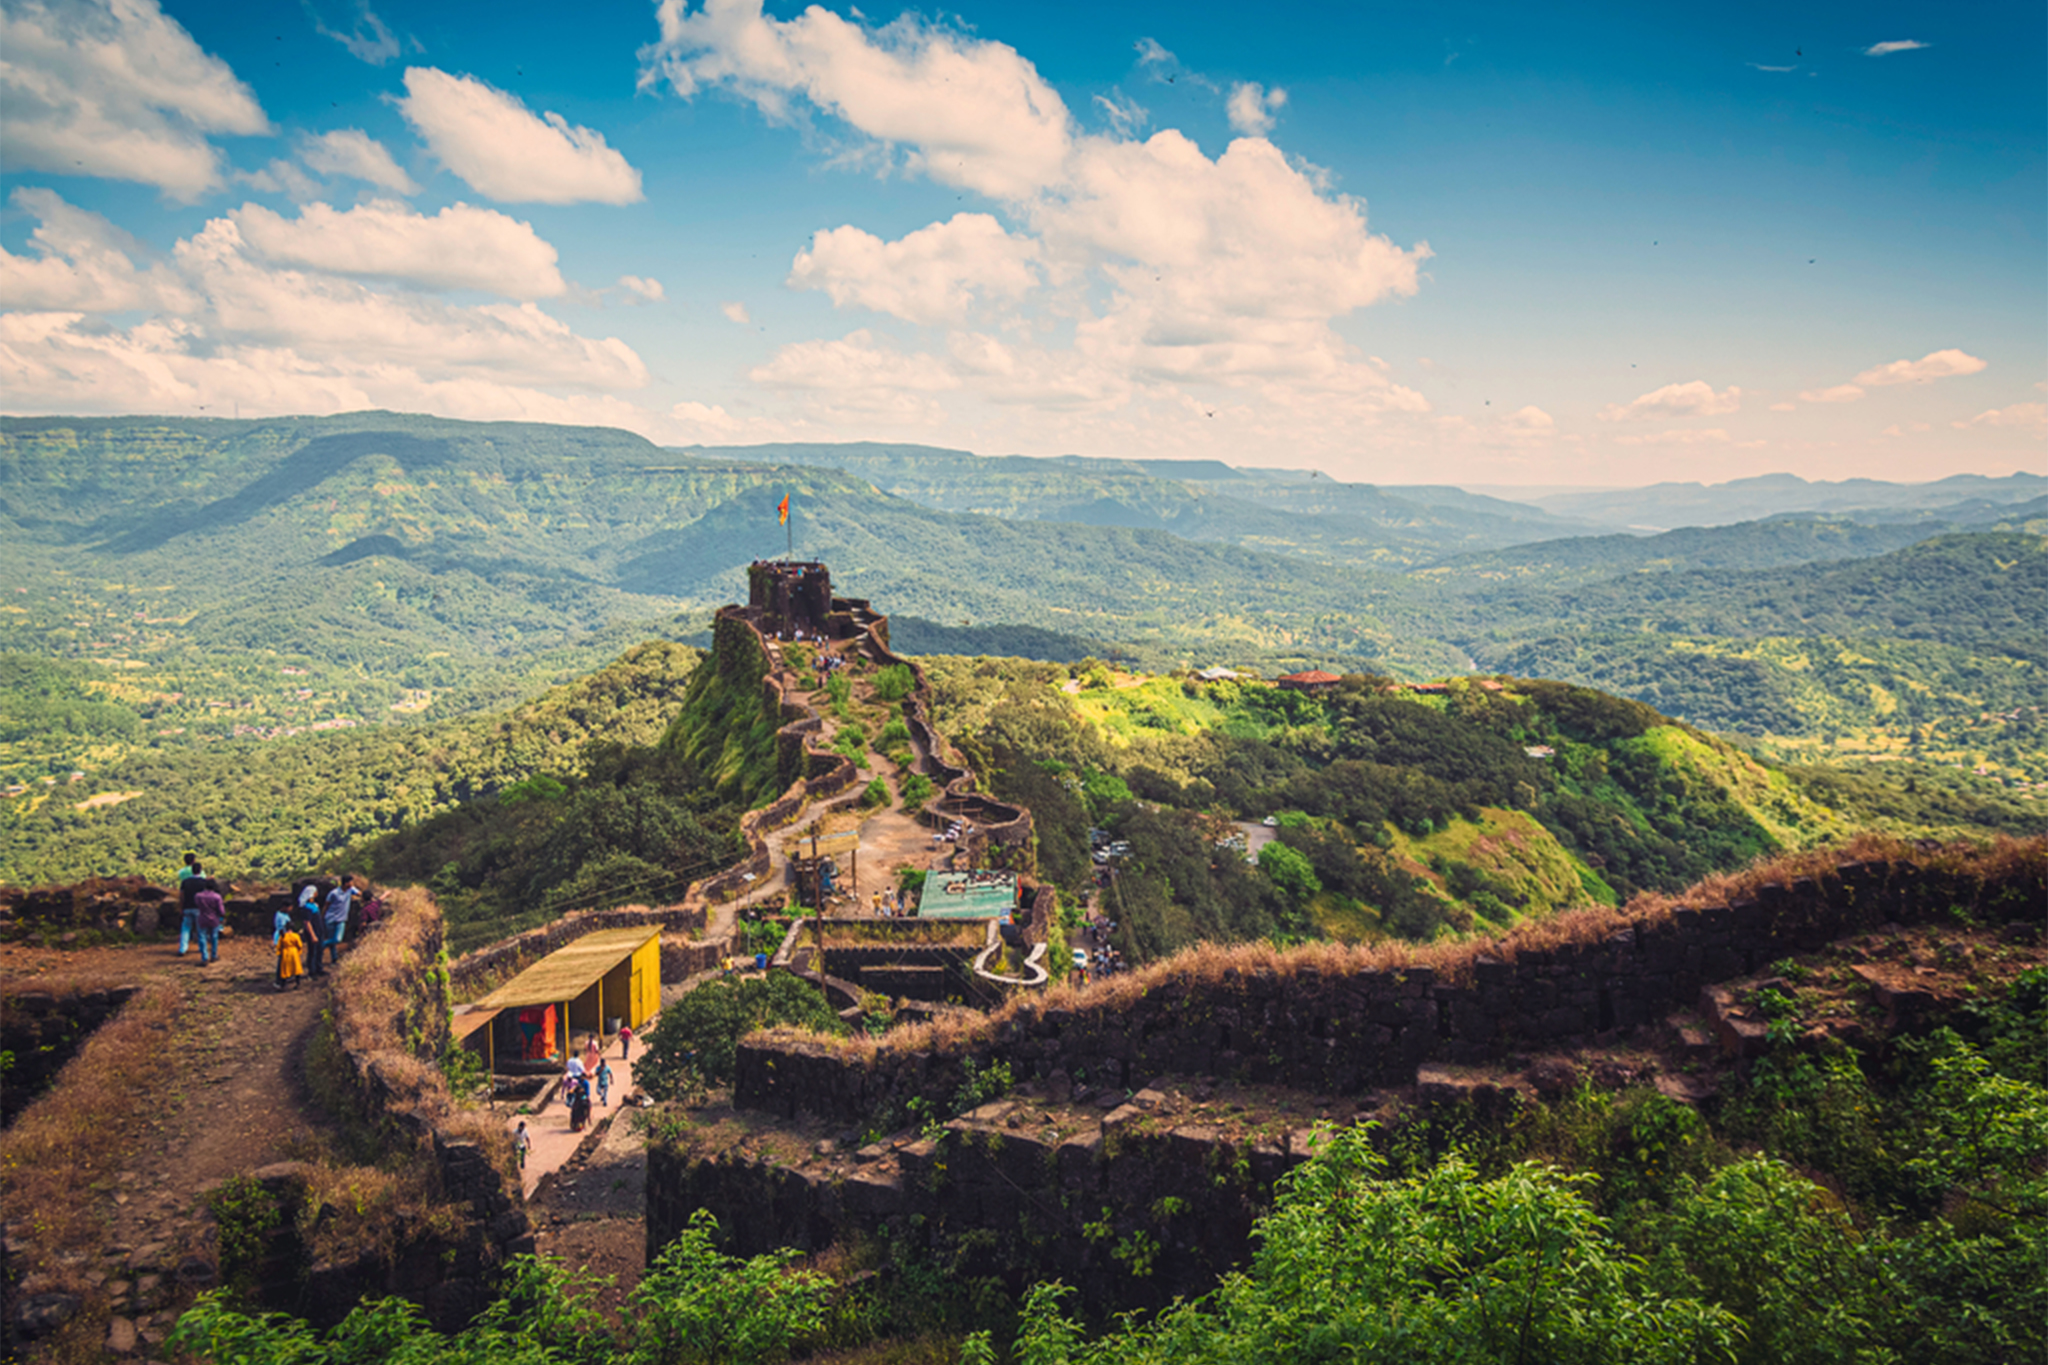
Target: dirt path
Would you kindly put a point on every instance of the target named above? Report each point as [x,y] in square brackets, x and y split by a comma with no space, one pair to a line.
[890,839]
[232,1101]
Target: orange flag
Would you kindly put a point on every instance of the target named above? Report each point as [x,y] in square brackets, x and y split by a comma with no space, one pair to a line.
[783,510]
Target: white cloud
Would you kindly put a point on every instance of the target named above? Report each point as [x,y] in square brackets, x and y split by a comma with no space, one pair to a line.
[2028,418]
[1252,108]
[230,324]
[642,289]
[1694,399]
[354,153]
[282,177]
[1170,267]
[1124,115]
[1533,419]
[370,40]
[929,276]
[969,112]
[505,152]
[115,88]
[1896,45]
[82,263]
[1779,69]
[735,312]
[460,247]
[857,361]
[1934,365]
[1710,436]
[1152,53]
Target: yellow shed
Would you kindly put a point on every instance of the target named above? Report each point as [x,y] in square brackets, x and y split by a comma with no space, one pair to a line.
[603,979]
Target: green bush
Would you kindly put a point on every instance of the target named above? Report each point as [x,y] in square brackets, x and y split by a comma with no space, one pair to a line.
[895,682]
[876,793]
[693,1042]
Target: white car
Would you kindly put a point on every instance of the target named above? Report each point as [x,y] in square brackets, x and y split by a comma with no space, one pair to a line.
[1081,958]
[1271,822]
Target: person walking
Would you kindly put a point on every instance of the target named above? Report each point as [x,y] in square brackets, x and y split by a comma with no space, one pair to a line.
[291,958]
[191,880]
[604,1083]
[312,928]
[522,1143]
[211,913]
[625,1041]
[340,901]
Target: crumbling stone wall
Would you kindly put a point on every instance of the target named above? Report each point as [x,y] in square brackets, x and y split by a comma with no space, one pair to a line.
[1131,1213]
[1340,1032]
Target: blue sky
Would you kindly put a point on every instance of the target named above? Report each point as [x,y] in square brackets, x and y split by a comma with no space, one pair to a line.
[1487,244]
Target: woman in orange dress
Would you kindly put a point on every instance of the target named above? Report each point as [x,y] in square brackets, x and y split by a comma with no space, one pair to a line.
[291,958]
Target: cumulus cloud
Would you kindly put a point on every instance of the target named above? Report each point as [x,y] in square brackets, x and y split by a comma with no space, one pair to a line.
[2027,418]
[641,289]
[735,312]
[370,39]
[354,153]
[1895,45]
[1166,265]
[1934,365]
[929,276]
[118,89]
[1533,418]
[967,112]
[1693,399]
[505,152]
[82,263]
[460,247]
[228,322]
[1252,108]
[1709,436]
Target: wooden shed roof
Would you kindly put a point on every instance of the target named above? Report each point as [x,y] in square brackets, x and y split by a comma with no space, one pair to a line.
[571,970]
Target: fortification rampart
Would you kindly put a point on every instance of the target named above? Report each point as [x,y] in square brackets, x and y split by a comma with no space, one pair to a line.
[391,1021]
[1338,1020]
[811,772]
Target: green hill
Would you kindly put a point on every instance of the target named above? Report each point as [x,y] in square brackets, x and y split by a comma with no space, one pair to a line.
[244,580]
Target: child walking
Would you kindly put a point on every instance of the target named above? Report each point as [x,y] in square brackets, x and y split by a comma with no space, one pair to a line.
[291,958]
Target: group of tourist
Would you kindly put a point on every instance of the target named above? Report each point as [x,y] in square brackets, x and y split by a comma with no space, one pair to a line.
[304,937]
[889,904]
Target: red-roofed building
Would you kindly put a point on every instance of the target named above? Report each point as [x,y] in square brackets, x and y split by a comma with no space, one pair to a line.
[1313,682]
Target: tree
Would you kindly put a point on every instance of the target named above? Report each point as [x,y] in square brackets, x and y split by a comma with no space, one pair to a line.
[1289,871]
[695,1040]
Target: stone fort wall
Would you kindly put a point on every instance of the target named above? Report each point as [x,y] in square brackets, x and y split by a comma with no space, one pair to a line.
[1338,1021]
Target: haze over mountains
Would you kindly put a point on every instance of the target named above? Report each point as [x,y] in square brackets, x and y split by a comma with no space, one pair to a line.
[410,562]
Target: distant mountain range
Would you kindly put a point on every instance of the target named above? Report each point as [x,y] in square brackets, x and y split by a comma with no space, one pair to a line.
[255,577]
[1961,499]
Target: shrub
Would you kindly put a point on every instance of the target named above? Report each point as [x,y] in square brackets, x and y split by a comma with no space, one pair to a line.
[876,793]
[694,1041]
[895,682]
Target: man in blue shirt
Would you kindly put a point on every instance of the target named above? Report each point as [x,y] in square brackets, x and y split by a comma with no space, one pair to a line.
[340,901]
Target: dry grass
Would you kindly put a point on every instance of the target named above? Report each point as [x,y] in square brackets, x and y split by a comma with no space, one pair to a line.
[1208,966]
[60,1155]
[375,997]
